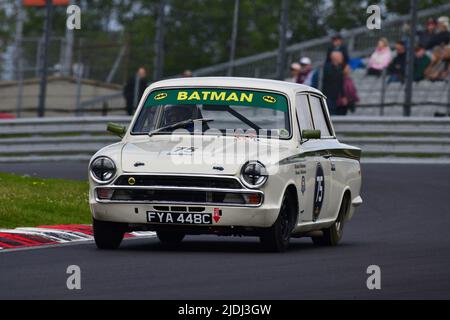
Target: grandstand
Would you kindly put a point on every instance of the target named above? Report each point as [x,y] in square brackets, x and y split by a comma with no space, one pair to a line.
[429,98]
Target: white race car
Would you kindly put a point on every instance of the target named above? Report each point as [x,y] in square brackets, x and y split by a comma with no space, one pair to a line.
[226,156]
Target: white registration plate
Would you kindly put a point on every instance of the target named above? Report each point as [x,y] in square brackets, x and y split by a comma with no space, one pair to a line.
[179,217]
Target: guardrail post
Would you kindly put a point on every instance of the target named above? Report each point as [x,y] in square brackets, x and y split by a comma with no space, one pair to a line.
[79,75]
[383,91]
[351,45]
[105,107]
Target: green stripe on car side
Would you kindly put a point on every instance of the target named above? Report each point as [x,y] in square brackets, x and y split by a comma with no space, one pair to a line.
[354,154]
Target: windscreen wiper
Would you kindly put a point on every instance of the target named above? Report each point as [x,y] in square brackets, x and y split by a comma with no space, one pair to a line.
[179,125]
[243,119]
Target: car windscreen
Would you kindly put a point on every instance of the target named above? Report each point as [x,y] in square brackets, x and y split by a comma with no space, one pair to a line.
[227,111]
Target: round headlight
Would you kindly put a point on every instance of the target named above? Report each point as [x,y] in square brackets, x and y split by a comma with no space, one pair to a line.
[103,170]
[254,174]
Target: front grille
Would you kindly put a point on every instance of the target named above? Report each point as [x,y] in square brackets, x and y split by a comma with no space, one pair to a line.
[188,196]
[180,181]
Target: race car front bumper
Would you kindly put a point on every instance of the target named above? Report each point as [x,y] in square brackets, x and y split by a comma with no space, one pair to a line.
[230,216]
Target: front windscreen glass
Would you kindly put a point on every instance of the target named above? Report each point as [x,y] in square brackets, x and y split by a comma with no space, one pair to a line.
[209,110]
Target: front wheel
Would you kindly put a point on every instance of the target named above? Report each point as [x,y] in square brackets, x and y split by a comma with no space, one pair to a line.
[276,238]
[108,235]
[332,235]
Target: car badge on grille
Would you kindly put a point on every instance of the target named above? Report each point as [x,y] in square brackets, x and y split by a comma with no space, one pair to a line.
[131,181]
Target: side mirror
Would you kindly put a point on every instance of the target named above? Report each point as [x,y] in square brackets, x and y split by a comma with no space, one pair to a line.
[116,129]
[311,134]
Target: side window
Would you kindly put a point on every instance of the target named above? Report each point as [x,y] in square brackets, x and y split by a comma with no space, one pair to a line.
[319,117]
[303,112]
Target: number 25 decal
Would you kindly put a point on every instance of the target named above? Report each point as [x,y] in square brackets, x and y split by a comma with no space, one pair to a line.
[319,192]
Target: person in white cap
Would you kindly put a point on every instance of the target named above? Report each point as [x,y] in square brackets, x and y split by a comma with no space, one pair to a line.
[442,37]
[307,76]
[295,70]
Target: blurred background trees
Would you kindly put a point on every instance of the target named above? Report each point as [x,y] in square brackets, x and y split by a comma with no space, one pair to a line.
[197,32]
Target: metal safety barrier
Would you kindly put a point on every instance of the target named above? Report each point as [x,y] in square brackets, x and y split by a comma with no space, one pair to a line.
[78,138]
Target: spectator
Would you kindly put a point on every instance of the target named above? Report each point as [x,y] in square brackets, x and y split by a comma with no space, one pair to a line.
[187,73]
[380,59]
[295,70]
[338,45]
[398,66]
[426,35]
[438,69]
[134,89]
[333,80]
[421,62]
[350,98]
[308,75]
[442,37]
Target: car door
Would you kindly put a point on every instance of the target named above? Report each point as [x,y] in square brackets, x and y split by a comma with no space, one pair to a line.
[323,184]
[307,164]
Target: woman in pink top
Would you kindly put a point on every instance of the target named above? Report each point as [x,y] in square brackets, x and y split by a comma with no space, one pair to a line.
[380,59]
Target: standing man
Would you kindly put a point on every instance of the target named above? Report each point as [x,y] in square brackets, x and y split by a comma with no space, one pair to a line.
[134,89]
[187,73]
[442,37]
[425,36]
[333,81]
[337,44]
[397,68]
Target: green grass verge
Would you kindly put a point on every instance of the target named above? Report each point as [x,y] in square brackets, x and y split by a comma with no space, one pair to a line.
[29,201]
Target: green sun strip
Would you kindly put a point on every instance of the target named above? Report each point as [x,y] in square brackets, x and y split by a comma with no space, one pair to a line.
[225,97]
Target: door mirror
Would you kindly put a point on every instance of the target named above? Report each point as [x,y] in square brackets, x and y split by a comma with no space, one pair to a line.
[311,134]
[116,129]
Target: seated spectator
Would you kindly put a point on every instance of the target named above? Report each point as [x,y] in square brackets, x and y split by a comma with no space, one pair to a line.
[438,69]
[442,37]
[338,44]
[295,70]
[308,75]
[380,59]
[421,62]
[426,35]
[397,67]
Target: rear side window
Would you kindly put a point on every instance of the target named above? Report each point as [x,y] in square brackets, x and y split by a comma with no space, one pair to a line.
[303,113]
[319,117]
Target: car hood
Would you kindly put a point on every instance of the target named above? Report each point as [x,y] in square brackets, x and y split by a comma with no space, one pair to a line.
[215,155]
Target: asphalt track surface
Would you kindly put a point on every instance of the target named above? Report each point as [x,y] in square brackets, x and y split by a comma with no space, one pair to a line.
[403,227]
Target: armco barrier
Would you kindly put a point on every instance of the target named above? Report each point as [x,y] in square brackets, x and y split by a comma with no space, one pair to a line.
[78,138]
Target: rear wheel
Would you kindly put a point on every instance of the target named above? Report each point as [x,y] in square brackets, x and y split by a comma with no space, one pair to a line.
[170,237]
[276,238]
[108,235]
[332,235]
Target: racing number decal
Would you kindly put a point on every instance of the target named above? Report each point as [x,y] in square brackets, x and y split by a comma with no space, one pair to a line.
[319,192]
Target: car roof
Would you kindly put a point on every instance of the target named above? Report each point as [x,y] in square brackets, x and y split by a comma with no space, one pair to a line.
[233,82]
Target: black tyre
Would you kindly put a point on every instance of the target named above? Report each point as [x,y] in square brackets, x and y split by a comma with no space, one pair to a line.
[332,235]
[276,238]
[170,237]
[108,235]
